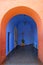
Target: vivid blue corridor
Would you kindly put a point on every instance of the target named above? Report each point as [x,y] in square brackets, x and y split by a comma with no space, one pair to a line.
[26,29]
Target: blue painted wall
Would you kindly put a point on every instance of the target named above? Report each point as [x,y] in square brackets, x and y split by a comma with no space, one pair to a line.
[11,41]
[29,29]
[28,33]
[10,28]
[35,38]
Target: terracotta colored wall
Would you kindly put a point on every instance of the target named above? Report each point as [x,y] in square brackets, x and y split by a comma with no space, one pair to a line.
[36,5]
[0,42]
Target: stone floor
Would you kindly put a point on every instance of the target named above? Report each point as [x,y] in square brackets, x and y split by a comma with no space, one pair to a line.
[26,55]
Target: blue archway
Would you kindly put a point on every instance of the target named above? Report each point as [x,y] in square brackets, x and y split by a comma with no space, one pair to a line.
[24,24]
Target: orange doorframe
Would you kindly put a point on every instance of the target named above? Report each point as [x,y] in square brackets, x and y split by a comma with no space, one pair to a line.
[12,12]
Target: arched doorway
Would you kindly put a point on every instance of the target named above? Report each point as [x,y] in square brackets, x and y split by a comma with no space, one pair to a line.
[12,12]
[21,27]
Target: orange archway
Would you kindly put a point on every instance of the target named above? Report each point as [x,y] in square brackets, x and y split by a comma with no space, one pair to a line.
[12,12]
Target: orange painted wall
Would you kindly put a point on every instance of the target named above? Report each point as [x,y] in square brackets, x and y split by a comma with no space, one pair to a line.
[6,5]
[0,42]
